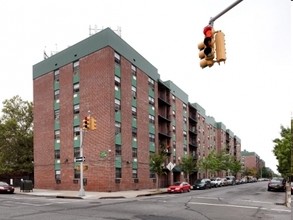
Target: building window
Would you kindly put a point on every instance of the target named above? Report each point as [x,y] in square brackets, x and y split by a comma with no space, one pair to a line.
[117,127]
[133,110]
[134,152]
[185,120]
[56,75]
[57,135]
[75,88]
[76,109]
[76,173]
[117,58]
[76,67]
[133,90]
[151,83]
[151,100]
[152,138]
[57,174]
[133,71]
[134,173]
[57,154]
[118,172]
[76,152]
[118,151]
[117,105]
[57,114]
[76,131]
[184,108]
[151,119]
[56,94]
[117,82]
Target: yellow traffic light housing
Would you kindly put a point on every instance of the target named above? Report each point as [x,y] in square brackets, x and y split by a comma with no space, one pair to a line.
[93,124]
[86,123]
[220,47]
[206,48]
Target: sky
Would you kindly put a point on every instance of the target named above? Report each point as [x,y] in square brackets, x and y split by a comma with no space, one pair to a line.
[251,93]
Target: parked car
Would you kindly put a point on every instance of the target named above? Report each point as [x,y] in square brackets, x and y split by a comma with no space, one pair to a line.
[202,184]
[291,188]
[216,181]
[231,180]
[243,180]
[179,187]
[6,188]
[224,182]
[277,184]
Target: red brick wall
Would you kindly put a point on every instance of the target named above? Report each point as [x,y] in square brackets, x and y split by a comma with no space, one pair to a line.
[44,131]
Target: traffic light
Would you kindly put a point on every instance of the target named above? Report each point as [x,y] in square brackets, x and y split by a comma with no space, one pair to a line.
[93,124]
[86,123]
[220,47]
[206,53]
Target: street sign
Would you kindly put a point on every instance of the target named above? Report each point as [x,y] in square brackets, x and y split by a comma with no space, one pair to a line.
[170,166]
[79,159]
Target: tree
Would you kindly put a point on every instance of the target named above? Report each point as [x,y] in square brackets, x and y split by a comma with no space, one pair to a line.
[282,151]
[235,166]
[188,165]
[157,161]
[16,137]
[208,163]
[223,159]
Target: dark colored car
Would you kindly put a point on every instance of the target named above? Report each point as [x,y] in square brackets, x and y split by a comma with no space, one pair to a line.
[179,187]
[291,188]
[277,184]
[202,184]
[6,188]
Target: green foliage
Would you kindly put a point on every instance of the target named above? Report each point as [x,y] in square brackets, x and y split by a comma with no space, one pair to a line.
[188,165]
[235,166]
[282,151]
[16,137]
[157,161]
[216,162]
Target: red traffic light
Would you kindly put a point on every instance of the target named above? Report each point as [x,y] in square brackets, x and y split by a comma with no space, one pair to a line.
[208,31]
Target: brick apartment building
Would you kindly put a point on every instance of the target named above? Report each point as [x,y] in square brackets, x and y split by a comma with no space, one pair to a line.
[136,113]
[252,161]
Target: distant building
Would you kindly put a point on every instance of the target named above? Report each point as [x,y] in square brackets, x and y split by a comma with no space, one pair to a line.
[252,161]
[137,113]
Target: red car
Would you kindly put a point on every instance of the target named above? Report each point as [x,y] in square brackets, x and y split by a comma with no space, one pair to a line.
[179,187]
[6,188]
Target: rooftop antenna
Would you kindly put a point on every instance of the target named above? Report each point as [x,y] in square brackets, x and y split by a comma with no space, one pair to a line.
[95,29]
[46,56]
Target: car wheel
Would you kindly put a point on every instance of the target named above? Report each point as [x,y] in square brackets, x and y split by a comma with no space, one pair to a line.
[269,189]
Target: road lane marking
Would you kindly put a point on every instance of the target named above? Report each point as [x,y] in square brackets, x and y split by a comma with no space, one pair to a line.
[239,206]
[212,198]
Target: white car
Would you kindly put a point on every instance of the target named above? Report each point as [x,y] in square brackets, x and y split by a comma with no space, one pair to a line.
[216,181]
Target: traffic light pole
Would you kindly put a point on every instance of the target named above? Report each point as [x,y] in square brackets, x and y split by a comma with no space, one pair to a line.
[81,191]
[213,19]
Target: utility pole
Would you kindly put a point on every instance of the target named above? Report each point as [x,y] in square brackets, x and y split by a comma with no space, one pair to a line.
[81,191]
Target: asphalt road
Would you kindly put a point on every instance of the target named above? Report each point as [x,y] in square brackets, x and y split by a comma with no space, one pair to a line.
[242,202]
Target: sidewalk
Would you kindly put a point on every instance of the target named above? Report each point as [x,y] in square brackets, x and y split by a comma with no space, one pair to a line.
[91,195]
